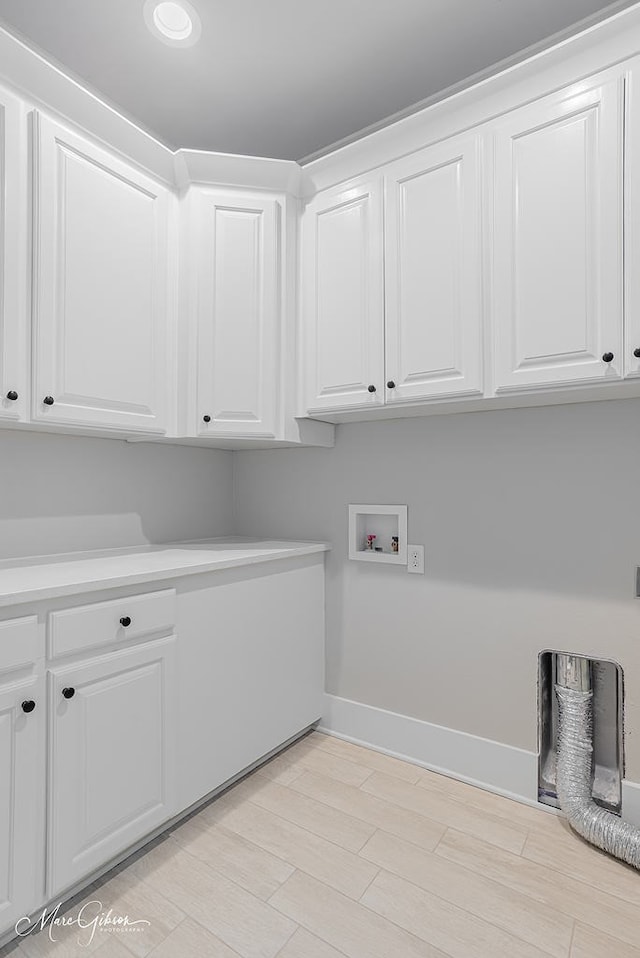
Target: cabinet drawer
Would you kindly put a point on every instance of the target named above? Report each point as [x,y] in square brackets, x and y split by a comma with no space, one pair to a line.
[18,644]
[104,623]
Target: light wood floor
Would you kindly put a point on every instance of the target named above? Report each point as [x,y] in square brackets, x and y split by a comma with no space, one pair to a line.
[333,850]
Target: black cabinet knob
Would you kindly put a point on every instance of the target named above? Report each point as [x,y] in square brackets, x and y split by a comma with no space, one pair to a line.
[607,357]
[636,352]
[48,400]
[12,395]
[206,418]
[68,693]
[391,384]
[28,706]
[125,621]
[371,389]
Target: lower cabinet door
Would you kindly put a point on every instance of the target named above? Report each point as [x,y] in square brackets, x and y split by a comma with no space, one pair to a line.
[22,707]
[112,757]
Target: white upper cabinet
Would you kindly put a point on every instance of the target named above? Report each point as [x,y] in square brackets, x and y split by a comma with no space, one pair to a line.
[102,288]
[433,273]
[13,255]
[557,240]
[343,297]
[632,224]
[234,269]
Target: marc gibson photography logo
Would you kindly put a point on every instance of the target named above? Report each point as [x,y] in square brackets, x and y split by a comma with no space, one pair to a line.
[90,919]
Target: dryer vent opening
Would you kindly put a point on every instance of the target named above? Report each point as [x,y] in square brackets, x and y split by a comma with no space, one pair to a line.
[606,681]
[574,774]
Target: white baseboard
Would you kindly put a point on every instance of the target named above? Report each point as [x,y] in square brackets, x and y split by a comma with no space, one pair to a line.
[631,802]
[490,765]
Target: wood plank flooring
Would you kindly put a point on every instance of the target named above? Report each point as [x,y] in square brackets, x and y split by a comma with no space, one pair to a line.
[336,851]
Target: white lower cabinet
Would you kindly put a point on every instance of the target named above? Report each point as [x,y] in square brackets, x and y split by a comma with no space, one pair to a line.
[171,694]
[112,756]
[22,723]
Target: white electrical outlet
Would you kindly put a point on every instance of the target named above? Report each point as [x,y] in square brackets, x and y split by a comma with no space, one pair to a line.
[415,557]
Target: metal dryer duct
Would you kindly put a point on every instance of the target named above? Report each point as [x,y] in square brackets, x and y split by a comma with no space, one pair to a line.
[575,756]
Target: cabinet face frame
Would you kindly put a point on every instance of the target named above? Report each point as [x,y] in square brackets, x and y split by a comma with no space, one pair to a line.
[362,198]
[456,280]
[598,109]
[220,223]
[14,323]
[58,150]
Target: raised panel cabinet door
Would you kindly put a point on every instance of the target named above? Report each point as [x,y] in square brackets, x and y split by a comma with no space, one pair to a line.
[101,287]
[343,298]
[112,757]
[22,760]
[433,273]
[632,222]
[14,324]
[236,290]
[557,240]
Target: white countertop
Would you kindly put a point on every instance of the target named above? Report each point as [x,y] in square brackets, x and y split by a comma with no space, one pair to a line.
[47,577]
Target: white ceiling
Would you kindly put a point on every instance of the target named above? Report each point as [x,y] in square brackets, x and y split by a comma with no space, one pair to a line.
[284,78]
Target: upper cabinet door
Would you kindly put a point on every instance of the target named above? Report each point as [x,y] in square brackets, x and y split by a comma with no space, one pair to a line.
[632,223]
[557,252]
[343,298]
[235,289]
[101,287]
[13,256]
[433,273]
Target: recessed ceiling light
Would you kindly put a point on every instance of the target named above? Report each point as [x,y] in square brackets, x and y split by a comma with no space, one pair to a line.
[173,22]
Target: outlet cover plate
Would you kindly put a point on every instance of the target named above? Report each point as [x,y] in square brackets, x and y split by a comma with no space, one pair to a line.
[415,559]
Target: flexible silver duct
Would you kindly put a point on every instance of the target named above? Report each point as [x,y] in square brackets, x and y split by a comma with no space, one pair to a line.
[575,759]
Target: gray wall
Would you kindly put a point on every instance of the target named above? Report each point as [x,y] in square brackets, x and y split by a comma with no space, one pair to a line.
[530,519]
[531,523]
[61,493]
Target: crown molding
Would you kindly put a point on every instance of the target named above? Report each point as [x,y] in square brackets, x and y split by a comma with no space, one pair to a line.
[227,169]
[594,49]
[46,87]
